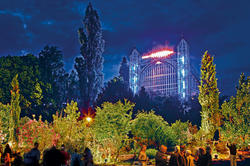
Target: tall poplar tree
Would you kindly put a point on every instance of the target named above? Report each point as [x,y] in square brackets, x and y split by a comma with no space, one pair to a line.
[90,65]
[15,110]
[209,96]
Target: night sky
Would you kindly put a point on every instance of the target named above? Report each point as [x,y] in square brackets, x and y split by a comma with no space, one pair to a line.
[220,26]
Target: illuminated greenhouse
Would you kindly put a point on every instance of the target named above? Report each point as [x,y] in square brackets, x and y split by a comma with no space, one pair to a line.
[163,72]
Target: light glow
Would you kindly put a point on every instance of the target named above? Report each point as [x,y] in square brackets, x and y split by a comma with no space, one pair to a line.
[158,62]
[135,79]
[159,53]
[182,59]
[89,119]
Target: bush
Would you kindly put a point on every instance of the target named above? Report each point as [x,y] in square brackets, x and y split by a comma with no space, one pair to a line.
[180,132]
[110,130]
[151,153]
[150,128]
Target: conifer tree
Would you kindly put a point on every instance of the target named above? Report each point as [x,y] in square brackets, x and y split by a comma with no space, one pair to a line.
[15,110]
[236,114]
[124,71]
[90,65]
[209,96]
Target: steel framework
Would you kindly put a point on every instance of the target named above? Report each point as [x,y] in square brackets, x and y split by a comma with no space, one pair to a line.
[163,75]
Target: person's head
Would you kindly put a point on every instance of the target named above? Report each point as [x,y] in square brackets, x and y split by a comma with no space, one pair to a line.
[163,149]
[208,150]
[188,153]
[201,151]
[143,148]
[7,146]
[36,144]
[182,148]
[63,147]
[87,150]
[18,152]
[177,149]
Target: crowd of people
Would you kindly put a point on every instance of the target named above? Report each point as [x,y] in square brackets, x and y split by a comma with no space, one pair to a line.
[51,157]
[180,157]
[60,157]
[184,157]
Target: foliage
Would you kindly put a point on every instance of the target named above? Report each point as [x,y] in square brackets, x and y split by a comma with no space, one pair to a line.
[73,87]
[111,128]
[114,91]
[151,153]
[171,108]
[90,65]
[10,114]
[41,80]
[236,114]
[209,96]
[4,122]
[71,130]
[53,76]
[124,72]
[144,101]
[180,132]
[15,110]
[37,94]
[28,70]
[150,126]
[36,131]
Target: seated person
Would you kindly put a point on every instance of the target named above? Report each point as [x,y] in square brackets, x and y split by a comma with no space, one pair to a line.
[143,156]
[161,157]
[189,159]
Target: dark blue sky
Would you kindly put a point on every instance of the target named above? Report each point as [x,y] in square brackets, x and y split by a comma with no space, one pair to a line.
[220,26]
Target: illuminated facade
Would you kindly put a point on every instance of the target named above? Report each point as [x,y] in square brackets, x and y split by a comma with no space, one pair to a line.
[163,72]
[134,70]
[158,74]
[183,65]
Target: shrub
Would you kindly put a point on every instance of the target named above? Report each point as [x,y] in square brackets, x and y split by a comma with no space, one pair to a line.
[149,128]
[151,153]
[110,130]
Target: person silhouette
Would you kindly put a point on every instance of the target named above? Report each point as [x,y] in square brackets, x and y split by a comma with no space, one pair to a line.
[53,157]
[233,152]
[32,158]
[66,156]
[76,159]
[88,158]
[7,154]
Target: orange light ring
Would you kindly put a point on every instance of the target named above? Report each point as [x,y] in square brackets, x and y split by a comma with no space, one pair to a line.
[159,54]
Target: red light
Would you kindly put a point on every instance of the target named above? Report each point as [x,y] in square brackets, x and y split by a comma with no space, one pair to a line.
[165,52]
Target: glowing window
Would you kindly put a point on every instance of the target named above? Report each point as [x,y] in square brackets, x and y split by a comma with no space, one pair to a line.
[182,59]
[158,62]
[183,84]
[183,72]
